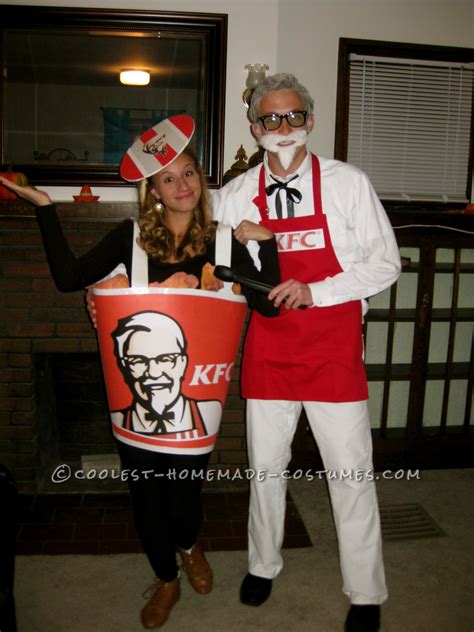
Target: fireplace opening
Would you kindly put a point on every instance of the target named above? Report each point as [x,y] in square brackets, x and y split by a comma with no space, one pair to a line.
[73,420]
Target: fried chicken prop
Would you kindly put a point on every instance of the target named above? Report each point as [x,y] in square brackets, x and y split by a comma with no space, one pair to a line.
[178,280]
[116,282]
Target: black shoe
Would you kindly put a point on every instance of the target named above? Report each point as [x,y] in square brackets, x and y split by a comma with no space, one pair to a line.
[363,619]
[255,590]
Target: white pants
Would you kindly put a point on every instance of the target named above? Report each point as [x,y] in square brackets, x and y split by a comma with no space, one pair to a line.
[342,432]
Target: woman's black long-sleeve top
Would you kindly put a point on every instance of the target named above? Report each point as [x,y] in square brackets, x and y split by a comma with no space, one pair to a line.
[71,273]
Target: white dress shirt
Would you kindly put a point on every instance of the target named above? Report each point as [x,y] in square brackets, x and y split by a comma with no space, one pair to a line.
[361,233]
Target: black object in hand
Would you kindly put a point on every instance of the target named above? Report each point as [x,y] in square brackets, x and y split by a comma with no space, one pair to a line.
[228,275]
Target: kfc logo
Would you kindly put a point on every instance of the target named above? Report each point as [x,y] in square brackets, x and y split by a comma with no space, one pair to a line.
[156,146]
[300,240]
[211,373]
[151,350]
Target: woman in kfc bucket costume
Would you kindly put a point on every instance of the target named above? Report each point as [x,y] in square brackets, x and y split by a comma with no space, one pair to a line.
[179,238]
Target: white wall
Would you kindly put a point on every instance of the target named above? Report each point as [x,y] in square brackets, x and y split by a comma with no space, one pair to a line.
[309,32]
[301,36]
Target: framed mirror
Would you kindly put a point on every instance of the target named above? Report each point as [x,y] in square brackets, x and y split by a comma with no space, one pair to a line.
[67,118]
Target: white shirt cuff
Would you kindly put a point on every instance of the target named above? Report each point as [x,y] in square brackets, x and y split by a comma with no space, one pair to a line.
[321,292]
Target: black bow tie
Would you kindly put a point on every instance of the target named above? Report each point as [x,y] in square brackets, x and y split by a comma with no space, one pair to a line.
[160,420]
[292,196]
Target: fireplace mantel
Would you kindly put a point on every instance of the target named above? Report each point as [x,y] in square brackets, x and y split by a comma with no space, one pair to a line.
[85,211]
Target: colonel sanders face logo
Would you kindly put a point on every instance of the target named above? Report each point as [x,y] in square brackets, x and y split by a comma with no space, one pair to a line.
[156,146]
[151,349]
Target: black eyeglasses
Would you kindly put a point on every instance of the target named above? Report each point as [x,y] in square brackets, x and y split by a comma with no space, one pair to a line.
[272,122]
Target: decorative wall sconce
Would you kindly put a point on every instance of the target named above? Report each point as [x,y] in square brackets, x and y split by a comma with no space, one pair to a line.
[135,77]
[255,76]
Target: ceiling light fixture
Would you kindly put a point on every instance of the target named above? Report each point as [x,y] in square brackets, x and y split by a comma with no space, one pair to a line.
[135,77]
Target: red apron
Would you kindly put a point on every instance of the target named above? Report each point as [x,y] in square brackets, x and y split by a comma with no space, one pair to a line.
[305,355]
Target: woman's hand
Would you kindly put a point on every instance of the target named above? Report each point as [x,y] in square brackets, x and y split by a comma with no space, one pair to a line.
[249,230]
[36,197]
[293,293]
[119,281]
[90,306]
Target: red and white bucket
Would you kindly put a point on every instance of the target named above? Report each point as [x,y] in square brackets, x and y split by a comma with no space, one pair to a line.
[167,357]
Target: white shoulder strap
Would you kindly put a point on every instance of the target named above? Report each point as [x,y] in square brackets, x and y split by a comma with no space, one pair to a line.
[139,261]
[224,249]
[223,245]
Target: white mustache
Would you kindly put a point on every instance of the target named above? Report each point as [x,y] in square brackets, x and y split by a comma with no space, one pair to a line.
[271,142]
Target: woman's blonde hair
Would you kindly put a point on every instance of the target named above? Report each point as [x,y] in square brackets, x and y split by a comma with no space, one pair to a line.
[157,240]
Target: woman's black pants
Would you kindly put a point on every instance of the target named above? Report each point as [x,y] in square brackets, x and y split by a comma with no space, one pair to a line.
[165,491]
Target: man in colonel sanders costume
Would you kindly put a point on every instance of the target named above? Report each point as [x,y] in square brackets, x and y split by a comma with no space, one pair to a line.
[336,248]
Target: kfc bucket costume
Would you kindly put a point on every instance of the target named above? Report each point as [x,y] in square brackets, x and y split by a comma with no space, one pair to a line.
[314,357]
[167,509]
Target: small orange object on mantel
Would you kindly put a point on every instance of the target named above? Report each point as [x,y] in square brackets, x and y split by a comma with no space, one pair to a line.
[469,208]
[86,195]
[14,176]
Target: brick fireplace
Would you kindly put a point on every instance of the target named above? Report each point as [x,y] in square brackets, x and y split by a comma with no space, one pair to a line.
[47,345]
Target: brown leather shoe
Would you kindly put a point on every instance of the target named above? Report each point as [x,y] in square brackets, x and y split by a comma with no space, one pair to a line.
[197,569]
[163,597]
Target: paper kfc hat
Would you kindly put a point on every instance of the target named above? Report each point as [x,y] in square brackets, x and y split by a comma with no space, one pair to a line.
[157,147]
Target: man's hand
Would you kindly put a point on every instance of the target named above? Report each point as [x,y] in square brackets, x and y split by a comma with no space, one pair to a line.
[293,293]
[246,231]
[36,197]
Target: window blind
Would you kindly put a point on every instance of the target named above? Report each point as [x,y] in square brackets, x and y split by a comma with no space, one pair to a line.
[410,126]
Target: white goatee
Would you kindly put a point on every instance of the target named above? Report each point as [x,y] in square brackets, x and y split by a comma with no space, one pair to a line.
[285,153]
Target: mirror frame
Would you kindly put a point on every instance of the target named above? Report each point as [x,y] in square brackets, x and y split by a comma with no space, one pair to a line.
[214,27]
